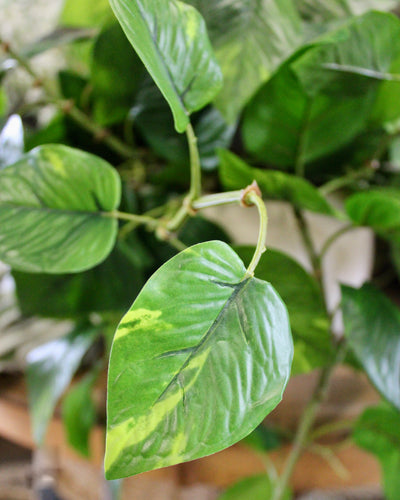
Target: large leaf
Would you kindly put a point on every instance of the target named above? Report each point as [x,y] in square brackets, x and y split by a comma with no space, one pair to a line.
[378,431]
[171,39]
[116,72]
[379,209]
[52,205]
[50,368]
[299,115]
[79,413]
[251,38]
[255,488]
[11,141]
[236,174]
[153,119]
[200,359]
[372,329]
[309,321]
[85,12]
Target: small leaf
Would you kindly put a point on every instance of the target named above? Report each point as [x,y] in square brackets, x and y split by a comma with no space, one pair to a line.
[199,360]
[235,173]
[378,209]
[50,368]
[255,488]
[52,205]
[171,39]
[263,439]
[79,414]
[372,330]
[11,141]
[309,321]
[378,431]
[88,13]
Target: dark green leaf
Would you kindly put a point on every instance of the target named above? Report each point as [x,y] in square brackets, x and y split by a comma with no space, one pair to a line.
[299,115]
[86,13]
[171,39]
[54,133]
[372,329]
[210,353]
[254,488]
[52,205]
[115,75]
[263,439]
[111,286]
[50,368]
[275,185]
[11,141]
[79,414]
[378,431]
[378,209]
[250,39]
[300,292]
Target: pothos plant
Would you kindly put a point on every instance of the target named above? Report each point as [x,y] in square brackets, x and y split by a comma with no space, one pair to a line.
[307,95]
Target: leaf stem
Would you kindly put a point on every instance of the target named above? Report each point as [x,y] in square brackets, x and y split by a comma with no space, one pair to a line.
[307,240]
[253,198]
[138,219]
[328,243]
[213,200]
[195,167]
[347,180]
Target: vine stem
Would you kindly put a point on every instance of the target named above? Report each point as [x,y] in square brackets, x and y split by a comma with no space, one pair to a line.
[69,108]
[195,167]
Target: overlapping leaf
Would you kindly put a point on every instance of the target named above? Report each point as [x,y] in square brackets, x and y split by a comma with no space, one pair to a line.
[372,329]
[171,39]
[199,360]
[235,173]
[52,205]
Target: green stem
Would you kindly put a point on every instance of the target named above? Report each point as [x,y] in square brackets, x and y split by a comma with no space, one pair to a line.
[195,168]
[346,180]
[217,199]
[134,218]
[252,198]
[328,243]
[299,166]
[332,427]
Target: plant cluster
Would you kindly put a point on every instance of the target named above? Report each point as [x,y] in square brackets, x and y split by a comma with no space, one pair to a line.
[180,106]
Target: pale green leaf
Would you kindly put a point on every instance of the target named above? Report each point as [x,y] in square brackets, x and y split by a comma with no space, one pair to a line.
[372,330]
[378,431]
[235,174]
[86,13]
[255,488]
[52,210]
[200,359]
[251,39]
[50,368]
[171,39]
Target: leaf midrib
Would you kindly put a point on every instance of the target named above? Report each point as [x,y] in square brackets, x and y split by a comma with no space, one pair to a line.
[52,210]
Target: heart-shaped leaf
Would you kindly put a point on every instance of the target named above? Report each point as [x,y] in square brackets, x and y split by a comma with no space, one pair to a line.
[372,329]
[200,359]
[53,205]
[171,39]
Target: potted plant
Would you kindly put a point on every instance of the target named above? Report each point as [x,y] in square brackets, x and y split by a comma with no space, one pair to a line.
[289,101]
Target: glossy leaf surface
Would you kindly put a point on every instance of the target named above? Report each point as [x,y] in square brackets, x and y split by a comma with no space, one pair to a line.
[196,364]
[378,209]
[255,488]
[79,414]
[51,210]
[171,39]
[372,329]
[298,116]
[235,173]
[50,368]
[378,431]
[251,39]
[299,291]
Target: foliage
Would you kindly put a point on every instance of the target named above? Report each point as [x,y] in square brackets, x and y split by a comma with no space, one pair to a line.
[99,209]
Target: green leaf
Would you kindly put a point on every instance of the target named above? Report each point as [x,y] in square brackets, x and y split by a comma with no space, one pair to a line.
[255,488]
[235,173]
[79,414]
[3,102]
[378,431]
[250,39]
[110,286]
[298,116]
[309,321]
[50,368]
[116,72]
[372,330]
[394,153]
[86,13]
[263,439]
[378,209]
[199,360]
[52,205]
[11,141]
[171,39]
